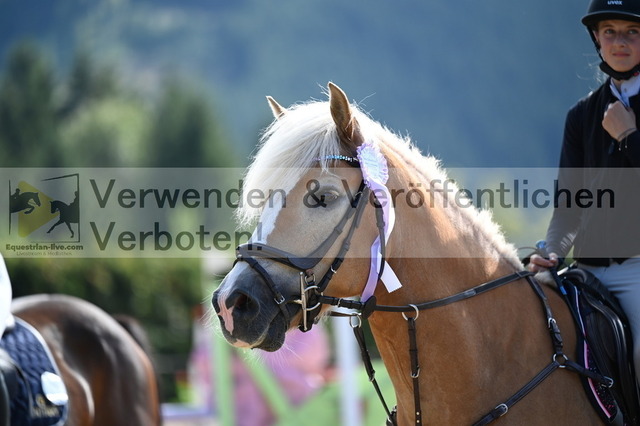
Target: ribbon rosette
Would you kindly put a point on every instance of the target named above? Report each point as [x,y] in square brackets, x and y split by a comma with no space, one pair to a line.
[373,164]
[375,174]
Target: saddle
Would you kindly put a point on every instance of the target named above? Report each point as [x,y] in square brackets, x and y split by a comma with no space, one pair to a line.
[604,346]
[32,384]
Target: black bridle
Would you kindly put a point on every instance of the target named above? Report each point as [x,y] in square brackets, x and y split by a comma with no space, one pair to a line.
[310,291]
[312,298]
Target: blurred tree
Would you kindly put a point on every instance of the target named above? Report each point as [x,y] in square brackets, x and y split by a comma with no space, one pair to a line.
[89,119]
[184,133]
[101,123]
[87,82]
[28,127]
[107,132]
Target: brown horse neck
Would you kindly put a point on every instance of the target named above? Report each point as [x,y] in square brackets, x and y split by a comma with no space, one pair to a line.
[457,343]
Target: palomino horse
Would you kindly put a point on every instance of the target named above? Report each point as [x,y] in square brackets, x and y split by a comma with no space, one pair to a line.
[109,378]
[468,356]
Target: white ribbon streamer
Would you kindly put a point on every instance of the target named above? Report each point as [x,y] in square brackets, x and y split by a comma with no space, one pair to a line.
[375,175]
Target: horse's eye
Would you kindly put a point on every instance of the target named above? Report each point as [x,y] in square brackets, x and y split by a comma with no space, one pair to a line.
[329,197]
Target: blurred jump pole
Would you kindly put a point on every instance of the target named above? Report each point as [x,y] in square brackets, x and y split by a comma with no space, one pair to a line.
[223,399]
[348,365]
[221,372]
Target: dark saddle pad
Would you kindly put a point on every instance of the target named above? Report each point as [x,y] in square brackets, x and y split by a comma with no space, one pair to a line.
[41,397]
[605,346]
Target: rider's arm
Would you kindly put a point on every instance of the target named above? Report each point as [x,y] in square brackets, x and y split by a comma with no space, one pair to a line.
[565,221]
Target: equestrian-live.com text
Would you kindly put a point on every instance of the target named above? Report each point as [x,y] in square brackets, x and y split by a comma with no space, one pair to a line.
[29,248]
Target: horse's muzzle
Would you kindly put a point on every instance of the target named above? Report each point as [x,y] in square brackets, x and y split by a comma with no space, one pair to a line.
[249,316]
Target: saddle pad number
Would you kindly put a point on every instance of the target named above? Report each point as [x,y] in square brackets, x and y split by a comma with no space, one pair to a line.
[54,389]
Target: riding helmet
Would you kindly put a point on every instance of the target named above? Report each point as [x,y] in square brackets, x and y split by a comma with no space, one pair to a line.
[599,10]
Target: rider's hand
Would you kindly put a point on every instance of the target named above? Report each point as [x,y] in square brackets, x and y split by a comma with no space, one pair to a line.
[538,263]
[619,121]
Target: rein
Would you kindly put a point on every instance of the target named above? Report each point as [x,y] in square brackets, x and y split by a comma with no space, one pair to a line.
[311,299]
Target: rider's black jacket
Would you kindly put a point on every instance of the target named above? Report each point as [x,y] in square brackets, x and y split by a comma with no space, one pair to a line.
[597,193]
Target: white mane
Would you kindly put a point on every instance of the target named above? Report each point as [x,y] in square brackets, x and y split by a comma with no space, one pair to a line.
[306,133]
[287,149]
[477,222]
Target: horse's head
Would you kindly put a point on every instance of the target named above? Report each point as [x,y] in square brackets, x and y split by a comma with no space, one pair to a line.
[316,213]
[55,206]
[36,198]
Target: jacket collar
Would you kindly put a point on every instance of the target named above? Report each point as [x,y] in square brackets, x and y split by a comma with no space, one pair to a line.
[628,89]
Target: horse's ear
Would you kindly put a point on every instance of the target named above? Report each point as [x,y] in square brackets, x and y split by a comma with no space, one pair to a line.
[346,123]
[277,109]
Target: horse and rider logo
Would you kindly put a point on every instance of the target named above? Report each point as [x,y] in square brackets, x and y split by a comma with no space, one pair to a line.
[36,210]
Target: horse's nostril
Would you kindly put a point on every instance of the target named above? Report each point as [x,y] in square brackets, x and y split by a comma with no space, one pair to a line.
[241,301]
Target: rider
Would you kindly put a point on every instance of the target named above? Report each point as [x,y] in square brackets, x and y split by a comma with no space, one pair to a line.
[601,139]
